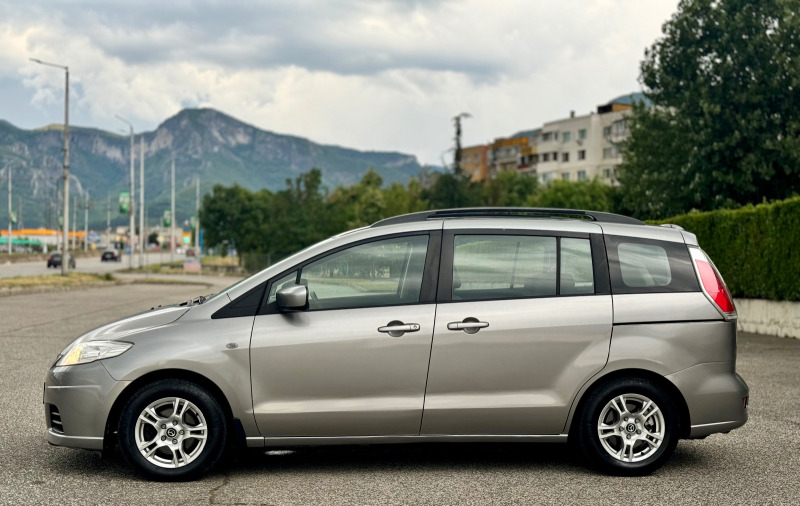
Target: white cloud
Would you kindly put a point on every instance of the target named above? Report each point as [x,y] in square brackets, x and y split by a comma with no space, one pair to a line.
[363,74]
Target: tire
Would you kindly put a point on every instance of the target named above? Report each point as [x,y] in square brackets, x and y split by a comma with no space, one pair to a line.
[620,425]
[178,449]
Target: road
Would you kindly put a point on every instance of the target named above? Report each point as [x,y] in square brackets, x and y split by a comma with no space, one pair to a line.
[757,464]
[92,264]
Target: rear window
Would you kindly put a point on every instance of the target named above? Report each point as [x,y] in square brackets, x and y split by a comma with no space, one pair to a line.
[649,266]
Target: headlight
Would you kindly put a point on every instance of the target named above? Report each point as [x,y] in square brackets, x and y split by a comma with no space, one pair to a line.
[89,351]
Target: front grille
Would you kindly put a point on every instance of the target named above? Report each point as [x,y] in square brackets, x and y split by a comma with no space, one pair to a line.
[55,420]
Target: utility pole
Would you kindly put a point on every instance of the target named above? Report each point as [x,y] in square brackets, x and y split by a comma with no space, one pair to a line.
[108,221]
[142,236]
[10,218]
[457,154]
[86,224]
[197,216]
[132,207]
[74,222]
[65,228]
[172,216]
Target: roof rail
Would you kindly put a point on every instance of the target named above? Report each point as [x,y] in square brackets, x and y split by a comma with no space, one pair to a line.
[509,212]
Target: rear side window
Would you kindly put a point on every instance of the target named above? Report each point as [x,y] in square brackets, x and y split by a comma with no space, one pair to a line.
[487,267]
[649,266]
[503,267]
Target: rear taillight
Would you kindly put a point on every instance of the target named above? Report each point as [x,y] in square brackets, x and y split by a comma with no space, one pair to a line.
[713,284]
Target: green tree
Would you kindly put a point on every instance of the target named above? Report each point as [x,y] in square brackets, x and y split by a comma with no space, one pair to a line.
[450,190]
[725,83]
[509,188]
[236,213]
[592,195]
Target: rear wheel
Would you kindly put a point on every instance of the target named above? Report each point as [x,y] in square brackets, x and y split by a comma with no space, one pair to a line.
[628,427]
[172,430]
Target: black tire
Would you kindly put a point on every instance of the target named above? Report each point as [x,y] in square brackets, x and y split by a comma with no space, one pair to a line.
[650,458]
[216,433]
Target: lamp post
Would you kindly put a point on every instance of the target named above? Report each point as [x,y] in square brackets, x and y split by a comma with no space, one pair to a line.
[142,236]
[65,228]
[132,207]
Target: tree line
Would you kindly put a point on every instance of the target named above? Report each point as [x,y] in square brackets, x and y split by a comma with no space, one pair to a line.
[280,223]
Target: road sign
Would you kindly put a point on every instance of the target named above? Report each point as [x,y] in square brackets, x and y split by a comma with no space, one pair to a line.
[125,202]
[167,218]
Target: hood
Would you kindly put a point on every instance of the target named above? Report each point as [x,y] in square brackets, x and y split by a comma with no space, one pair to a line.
[136,323]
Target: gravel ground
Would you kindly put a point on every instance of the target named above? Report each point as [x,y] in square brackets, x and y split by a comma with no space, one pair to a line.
[757,464]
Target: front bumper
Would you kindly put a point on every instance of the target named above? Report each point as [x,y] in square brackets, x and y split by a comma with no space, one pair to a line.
[80,397]
[716,396]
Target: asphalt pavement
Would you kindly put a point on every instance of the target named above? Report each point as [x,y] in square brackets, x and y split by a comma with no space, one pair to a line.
[756,464]
[88,265]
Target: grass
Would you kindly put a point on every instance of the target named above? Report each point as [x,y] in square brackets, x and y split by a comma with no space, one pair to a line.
[72,279]
[156,281]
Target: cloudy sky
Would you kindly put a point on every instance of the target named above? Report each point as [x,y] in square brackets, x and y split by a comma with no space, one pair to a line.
[368,74]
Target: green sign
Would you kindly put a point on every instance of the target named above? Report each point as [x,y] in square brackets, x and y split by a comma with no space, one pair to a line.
[60,222]
[193,222]
[125,202]
[14,217]
[167,218]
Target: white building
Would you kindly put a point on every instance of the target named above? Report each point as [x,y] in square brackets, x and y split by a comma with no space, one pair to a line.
[584,147]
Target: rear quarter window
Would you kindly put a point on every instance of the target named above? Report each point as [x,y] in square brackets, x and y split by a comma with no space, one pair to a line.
[649,266]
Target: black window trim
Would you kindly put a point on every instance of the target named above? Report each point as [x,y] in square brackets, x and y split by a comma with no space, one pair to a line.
[599,261]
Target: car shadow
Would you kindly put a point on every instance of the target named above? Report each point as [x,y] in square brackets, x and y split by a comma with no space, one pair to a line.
[407,458]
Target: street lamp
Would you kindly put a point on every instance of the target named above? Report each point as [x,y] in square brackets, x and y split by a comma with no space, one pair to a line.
[64,259]
[132,207]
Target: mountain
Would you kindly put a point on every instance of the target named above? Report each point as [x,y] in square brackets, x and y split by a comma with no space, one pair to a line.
[205,143]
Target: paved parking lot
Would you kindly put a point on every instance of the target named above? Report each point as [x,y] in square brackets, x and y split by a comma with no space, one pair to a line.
[757,464]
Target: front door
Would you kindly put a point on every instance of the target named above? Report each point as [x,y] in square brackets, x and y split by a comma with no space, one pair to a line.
[355,362]
[520,327]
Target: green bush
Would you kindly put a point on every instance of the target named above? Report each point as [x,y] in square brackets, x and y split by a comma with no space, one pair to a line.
[755,248]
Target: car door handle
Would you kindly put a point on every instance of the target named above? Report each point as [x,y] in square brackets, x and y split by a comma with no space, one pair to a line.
[468,325]
[397,328]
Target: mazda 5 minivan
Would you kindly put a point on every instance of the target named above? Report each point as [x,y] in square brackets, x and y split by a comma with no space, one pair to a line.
[498,325]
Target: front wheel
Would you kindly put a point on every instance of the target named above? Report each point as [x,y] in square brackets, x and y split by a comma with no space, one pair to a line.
[172,430]
[628,426]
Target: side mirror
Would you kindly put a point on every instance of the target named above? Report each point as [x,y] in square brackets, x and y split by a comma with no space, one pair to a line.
[292,298]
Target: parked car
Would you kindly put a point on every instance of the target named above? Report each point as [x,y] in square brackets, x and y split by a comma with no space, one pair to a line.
[190,252]
[109,256]
[54,260]
[516,325]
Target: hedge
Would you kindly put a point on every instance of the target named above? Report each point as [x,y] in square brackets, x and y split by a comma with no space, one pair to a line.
[755,248]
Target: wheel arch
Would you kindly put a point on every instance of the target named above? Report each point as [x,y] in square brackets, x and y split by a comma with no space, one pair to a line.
[112,421]
[672,391]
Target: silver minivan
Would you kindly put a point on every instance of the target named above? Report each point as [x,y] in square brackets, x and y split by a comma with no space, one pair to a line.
[483,324]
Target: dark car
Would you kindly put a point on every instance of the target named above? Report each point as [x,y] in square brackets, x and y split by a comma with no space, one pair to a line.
[109,256]
[54,261]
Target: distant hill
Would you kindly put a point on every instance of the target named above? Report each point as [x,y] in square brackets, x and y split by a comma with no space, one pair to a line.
[204,143]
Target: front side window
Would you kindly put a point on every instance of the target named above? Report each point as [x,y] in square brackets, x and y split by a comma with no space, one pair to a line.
[380,273]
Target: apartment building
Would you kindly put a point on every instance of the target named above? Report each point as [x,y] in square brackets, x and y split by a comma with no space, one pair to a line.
[573,149]
[474,161]
[584,147]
